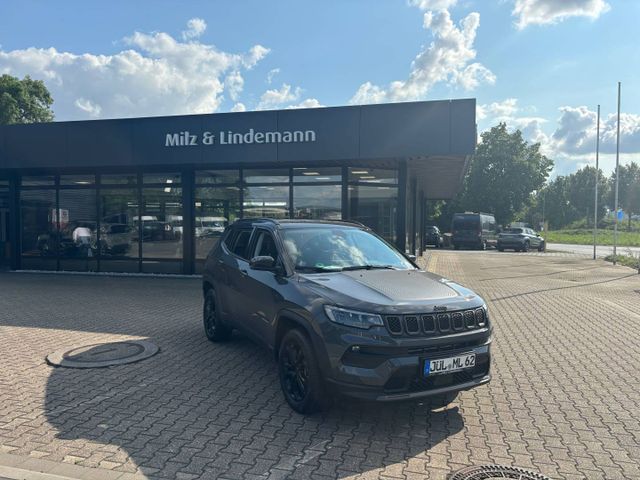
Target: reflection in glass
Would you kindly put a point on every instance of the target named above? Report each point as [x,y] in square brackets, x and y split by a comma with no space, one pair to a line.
[309,174]
[217,176]
[119,179]
[39,237]
[266,175]
[118,235]
[77,179]
[78,234]
[164,178]
[37,181]
[161,223]
[317,202]
[375,207]
[215,208]
[271,202]
[373,175]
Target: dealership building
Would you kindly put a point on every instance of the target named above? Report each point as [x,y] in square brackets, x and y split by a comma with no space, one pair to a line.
[152,195]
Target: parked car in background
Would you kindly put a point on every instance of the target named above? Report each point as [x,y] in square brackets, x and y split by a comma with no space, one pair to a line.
[345,313]
[520,240]
[115,239]
[432,236]
[474,230]
[210,226]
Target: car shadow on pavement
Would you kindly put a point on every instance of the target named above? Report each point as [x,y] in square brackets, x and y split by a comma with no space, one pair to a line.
[197,409]
[216,410]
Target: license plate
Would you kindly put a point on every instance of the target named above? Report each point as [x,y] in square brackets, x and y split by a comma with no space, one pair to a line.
[448,365]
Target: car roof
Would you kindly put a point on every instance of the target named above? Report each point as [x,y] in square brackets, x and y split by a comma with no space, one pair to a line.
[291,223]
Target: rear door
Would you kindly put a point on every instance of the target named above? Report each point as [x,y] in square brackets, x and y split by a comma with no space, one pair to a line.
[232,269]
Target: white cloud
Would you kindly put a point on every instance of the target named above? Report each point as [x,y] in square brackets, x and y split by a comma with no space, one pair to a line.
[239,107]
[307,103]
[507,108]
[576,132]
[234,84]
[93,109]
[447,59]
[156,75]
[433,4]
[195,28]
[542,12]
[272,73]
[278,97]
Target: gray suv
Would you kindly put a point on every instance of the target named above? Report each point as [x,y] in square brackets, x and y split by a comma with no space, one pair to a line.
[345,313]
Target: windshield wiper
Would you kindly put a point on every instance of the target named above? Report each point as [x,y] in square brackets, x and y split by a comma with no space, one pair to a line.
[303,268]
[368,267]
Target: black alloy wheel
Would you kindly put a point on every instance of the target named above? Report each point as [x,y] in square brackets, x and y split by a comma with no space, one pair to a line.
[213,328]
[526,247]
[295,371]
[541,247]
[300,376]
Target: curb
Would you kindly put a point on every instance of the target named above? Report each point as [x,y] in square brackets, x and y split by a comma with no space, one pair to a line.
[16,467]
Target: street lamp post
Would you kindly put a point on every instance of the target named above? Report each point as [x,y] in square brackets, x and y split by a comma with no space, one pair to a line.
[595,209]
[615,225]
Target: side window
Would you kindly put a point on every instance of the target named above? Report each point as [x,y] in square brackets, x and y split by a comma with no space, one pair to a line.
[241,242]
[266,246]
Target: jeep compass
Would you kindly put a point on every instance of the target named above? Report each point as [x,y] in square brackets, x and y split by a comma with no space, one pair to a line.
[345,313]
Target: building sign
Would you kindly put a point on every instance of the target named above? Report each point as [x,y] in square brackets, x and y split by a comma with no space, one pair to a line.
[228,137]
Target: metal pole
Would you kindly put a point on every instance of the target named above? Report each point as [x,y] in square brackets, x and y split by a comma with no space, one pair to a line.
[595,209]
[615,225]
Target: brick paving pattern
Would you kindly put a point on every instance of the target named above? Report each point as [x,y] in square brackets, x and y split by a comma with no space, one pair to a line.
[564,400]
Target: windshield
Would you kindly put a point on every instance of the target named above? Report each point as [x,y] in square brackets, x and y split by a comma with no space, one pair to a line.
[339,248]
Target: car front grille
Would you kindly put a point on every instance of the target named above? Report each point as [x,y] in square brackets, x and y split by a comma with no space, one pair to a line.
[430,324]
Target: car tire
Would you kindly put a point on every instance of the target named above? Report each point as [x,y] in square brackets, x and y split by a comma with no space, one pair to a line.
[526,247]
[541,247]
[300,378]
[500,249]
[213,327]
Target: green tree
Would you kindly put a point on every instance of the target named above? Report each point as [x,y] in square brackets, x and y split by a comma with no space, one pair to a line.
[504,173]
[628,189]
[24,101]
[582,190]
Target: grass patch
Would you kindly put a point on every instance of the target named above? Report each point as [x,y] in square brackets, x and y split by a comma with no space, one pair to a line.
[626,260]
[585,237]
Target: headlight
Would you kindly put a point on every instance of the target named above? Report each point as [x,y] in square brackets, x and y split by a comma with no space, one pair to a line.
[352,318]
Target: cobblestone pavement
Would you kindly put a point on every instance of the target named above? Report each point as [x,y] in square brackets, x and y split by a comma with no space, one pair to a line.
[564,399]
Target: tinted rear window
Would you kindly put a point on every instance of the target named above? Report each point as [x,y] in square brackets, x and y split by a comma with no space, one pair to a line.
[466,223]
[513,230]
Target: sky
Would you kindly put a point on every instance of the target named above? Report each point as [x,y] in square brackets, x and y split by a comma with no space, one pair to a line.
[541,66]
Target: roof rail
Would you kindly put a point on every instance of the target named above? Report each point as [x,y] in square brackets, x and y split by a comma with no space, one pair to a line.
[257,220]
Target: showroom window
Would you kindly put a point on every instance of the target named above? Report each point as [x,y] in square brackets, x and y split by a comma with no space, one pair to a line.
[266,193]
[118,248]
[217,204]
[39,236]
[317,193]
[78,239]
[373,200]
[160,224]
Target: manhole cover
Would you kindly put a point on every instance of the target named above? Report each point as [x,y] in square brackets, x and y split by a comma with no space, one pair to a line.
[103,354]
[494,472]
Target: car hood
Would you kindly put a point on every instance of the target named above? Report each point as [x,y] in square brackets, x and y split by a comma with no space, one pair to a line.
[392,290]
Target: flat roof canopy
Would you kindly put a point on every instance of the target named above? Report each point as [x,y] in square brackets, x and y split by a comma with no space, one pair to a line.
[436,138]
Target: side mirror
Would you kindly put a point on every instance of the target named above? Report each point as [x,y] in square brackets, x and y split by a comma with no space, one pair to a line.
[411,257]
[262,263]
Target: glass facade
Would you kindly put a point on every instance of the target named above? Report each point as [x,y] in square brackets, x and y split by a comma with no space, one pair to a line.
[168,222]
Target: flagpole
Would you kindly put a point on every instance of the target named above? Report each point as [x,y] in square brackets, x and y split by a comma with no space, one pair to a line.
[615,226]
[595,209]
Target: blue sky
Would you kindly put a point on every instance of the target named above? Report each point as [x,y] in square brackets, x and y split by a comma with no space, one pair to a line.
[540,65]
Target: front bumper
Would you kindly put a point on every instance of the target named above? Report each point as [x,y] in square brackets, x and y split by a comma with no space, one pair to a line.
[394,373]
[516,244]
